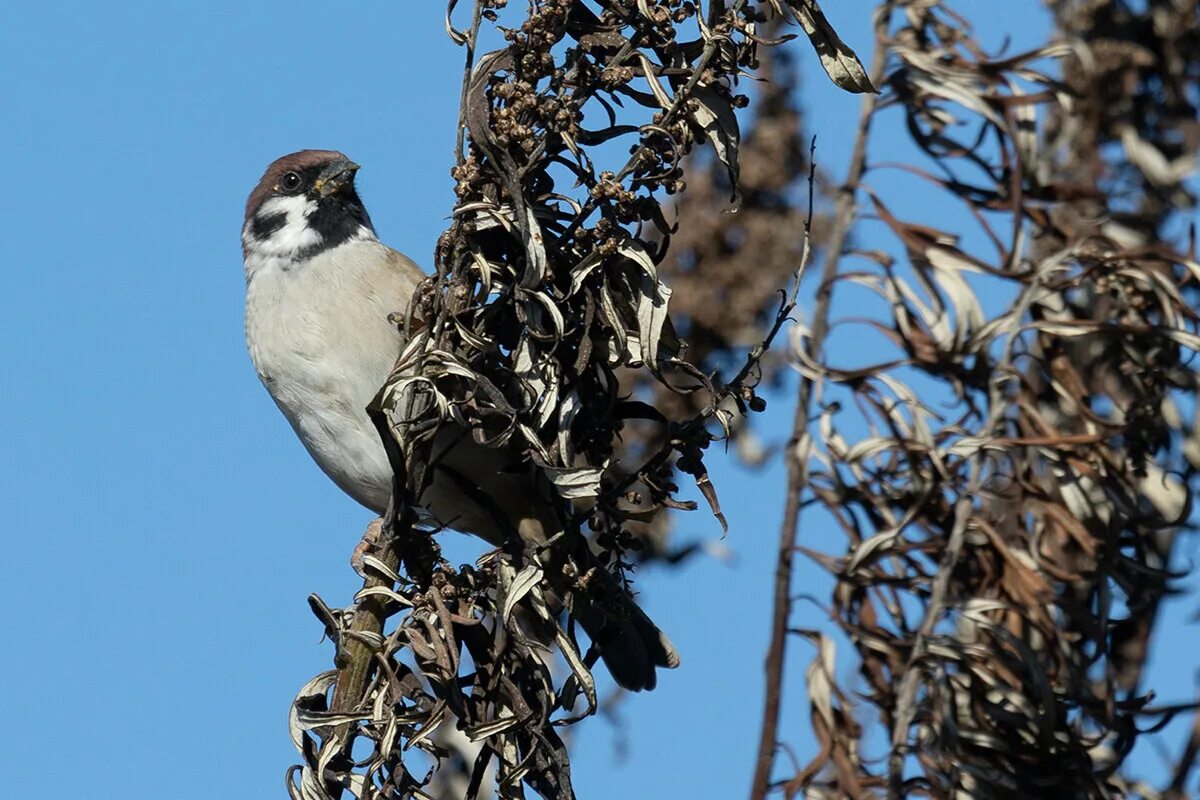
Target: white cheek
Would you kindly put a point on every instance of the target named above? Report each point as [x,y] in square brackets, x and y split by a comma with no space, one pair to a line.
[282,249]
[293,205]
[294,235]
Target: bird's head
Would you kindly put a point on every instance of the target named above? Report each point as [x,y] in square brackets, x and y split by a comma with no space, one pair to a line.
[305,203]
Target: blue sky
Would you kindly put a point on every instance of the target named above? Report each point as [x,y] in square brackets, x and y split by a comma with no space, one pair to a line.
[162,526]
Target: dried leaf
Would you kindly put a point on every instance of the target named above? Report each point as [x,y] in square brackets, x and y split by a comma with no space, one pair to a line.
[840,63]
[715,115]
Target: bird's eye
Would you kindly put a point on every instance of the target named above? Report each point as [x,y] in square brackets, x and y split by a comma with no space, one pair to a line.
[290,182]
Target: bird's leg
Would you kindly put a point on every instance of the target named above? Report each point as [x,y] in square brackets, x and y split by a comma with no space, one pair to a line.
[369,540]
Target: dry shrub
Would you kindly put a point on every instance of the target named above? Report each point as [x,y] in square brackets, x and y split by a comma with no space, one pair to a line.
[548,288]
[1013,476]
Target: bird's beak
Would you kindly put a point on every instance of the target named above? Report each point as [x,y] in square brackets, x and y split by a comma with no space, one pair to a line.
[335,177]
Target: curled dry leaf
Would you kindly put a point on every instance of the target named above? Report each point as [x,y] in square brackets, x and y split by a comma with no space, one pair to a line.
[840,63]
[548,296]
[1012,479]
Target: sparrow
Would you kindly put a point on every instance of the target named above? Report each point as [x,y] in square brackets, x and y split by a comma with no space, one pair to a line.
[319,290]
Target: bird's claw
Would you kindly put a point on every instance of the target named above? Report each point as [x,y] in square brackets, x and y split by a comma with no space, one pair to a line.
[366,545]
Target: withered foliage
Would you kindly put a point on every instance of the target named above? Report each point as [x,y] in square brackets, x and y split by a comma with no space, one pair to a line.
[1013,477]
[547,284]
[726,269]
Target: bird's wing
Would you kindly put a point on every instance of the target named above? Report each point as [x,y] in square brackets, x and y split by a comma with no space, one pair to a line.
[409,276]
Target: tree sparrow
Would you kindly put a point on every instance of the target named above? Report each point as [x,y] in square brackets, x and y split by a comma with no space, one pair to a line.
[319,288]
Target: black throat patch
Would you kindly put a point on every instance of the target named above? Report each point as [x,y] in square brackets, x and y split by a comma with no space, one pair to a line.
[337,219]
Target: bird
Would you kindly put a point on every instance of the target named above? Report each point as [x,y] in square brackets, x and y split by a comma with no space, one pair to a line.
[320,287]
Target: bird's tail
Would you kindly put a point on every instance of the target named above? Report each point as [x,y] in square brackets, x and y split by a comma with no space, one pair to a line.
[630,644]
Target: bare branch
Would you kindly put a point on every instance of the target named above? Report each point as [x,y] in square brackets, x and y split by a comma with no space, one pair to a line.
[795,453]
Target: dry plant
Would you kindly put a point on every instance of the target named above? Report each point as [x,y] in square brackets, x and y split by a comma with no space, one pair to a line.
[547,286]
[725,269]
[1013,478]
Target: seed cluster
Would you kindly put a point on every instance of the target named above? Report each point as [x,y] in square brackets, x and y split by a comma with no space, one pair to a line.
[547,295]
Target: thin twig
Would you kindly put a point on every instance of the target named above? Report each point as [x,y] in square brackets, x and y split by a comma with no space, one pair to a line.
[782,605]
[460,154]
[1186,763]
[906,697]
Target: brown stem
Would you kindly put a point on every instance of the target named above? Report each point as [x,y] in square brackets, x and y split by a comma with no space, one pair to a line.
[460,147]
[782,602]
[1187,761]
[357,656]
[910,683]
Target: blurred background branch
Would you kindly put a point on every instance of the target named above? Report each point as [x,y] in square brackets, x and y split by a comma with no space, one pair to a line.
[1011,459]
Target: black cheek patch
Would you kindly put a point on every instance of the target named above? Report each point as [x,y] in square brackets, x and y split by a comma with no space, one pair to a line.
[263,226]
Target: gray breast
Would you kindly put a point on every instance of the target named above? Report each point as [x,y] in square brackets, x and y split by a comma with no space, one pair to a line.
[321,343]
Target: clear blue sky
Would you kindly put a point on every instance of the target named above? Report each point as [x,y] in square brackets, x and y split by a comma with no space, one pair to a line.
[162,526]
